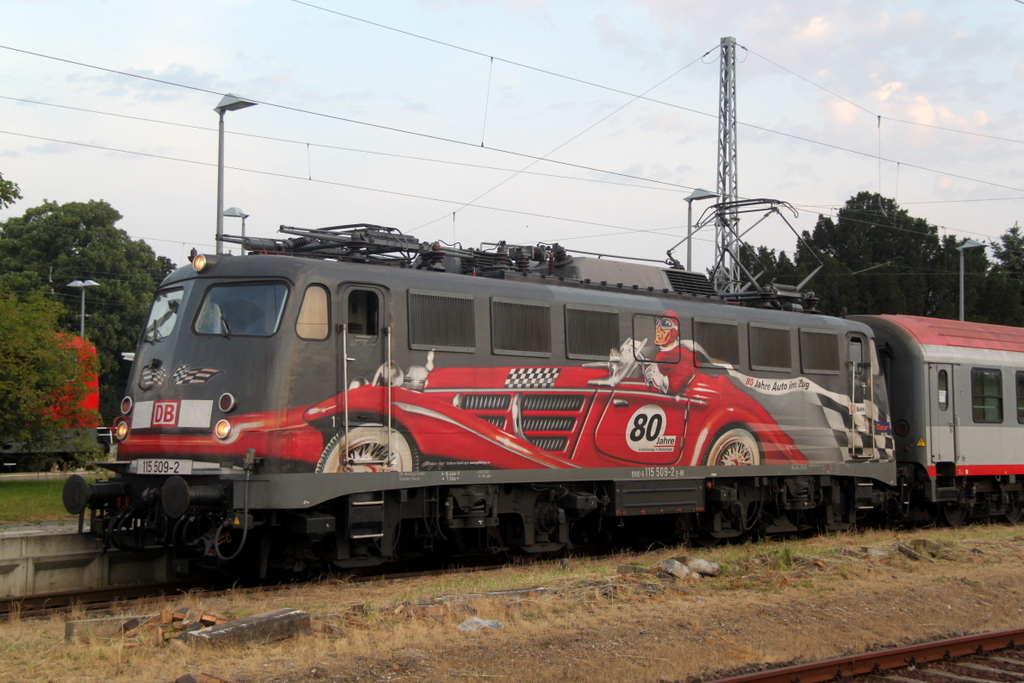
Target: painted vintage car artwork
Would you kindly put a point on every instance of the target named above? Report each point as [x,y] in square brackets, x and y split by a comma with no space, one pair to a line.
[627,411]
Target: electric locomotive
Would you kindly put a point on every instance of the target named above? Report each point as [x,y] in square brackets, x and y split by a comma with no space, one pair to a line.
[351,396]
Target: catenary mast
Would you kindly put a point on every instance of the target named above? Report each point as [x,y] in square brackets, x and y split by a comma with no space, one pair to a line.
[727,243]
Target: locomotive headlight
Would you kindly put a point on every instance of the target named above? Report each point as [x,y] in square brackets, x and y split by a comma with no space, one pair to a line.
[226,402]
[121,429]
[222,429]
[126,405]
[198,263]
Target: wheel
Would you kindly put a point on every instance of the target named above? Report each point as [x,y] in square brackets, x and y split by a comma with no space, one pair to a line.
[952,514]
[733,446]
[1013,512]
[365,449]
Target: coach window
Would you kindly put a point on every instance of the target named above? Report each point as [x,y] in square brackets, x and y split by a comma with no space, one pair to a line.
[1020,397]
[943,388]
[987,395]
[314,320]
[363,309]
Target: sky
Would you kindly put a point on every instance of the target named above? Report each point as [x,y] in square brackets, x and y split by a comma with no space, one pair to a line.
[583,122]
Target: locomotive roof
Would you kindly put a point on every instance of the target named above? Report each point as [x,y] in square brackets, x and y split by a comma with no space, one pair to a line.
[942,332]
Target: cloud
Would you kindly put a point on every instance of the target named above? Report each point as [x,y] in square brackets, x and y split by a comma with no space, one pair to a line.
[818,28]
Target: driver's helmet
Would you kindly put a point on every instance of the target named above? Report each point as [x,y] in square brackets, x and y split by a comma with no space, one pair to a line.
[666,329]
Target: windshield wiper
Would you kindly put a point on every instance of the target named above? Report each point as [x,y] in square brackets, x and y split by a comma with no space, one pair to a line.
[224,323]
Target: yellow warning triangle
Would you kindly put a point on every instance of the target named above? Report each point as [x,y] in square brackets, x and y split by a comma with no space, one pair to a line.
[238,522]
[920,442]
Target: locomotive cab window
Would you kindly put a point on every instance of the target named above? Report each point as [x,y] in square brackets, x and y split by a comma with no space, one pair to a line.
[314,318]
[252,310]
[363,313]
[163,316]
[987,395]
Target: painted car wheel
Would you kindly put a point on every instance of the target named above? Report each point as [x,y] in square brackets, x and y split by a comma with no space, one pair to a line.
[365,449]
[733,446]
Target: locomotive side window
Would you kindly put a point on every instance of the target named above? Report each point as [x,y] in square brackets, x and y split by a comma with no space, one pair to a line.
[942,386]
[445,322]
[769,348]
[987,395]
[1020,397]
[314,318]
[363,313]
[590,332]
[252,310]
[163,315]
[520,328]
[716,343]
[819,352]
[661,333]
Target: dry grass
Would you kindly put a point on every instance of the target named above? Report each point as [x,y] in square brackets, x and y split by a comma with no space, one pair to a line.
[775,602]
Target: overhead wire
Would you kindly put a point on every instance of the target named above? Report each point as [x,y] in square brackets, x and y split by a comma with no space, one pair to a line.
[356,150]
[333,183]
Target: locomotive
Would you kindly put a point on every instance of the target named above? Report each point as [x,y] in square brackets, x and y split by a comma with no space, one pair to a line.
[351,396]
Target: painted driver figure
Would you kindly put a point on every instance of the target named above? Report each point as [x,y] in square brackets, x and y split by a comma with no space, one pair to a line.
[667,372]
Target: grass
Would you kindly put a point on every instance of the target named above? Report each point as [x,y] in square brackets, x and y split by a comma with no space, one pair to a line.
[777,601]
[32,501]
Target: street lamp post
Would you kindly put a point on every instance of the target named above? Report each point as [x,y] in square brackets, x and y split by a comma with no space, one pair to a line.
[81,285]
[696,194]
[235,212]
[968,244]
[229,103]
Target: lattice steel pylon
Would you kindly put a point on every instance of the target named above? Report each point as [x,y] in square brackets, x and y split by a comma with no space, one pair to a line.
[727,242]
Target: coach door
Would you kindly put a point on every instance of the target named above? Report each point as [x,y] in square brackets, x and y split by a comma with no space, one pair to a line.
[862,440]
[364,350]
[941,413]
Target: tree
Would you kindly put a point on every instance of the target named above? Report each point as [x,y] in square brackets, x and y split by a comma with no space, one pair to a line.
[42,381]
[52,245]
[877,258]
[9,192]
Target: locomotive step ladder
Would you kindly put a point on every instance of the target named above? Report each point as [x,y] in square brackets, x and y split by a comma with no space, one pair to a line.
[366,515]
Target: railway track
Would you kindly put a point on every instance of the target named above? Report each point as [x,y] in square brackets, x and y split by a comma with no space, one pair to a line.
[989,657]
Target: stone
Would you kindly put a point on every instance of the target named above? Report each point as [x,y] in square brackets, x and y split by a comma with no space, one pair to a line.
[673,568]
[705,567]
[261,628]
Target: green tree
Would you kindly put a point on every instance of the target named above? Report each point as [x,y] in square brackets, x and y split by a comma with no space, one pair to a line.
[9,192]
[42,381]
[52,245]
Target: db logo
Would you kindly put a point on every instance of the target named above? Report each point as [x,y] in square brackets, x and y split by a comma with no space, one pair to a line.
[165,413]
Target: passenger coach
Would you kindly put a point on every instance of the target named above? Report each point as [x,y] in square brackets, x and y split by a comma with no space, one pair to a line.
[957,399]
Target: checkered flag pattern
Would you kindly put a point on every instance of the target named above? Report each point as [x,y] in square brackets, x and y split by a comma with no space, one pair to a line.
[153,377]
[841,422]
[531,378]
[183,374]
